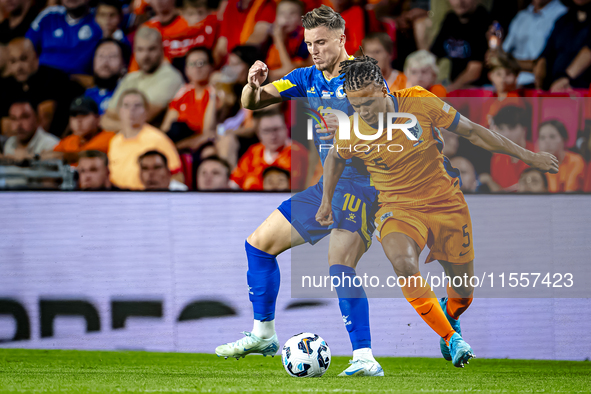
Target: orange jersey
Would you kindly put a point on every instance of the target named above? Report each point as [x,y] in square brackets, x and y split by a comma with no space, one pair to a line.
[570,176]
[249,172]
[506,170]
[73,144]
[191,109]
[406,172]
[178,37]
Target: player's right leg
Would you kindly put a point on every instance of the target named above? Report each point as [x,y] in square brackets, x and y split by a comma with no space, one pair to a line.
[272,237]
[399,241]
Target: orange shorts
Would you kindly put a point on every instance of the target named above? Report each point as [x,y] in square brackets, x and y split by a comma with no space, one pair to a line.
[445,227]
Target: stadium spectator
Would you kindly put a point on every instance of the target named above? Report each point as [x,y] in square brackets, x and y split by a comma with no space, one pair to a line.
[191,114]
[355,18]
[156,79]
[49,90]
[503,72]
[552,138]
[276,179]
[511,122]
[236,127]
[19,16]
[194,11]
[93,171]
[462,39]
[559,66]
[29,139]
[86,134]
[108,69]
[135,138]
[244,22]
[467,173]
[421,69]
[155,174]
[204,21]
[532,181]
[288,49]
[65,37]
[528,34]
[108,15]
[275,149]
[380,47]
[213,174]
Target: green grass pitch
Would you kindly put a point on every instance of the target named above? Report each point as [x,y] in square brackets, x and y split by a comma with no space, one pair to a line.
[85,371]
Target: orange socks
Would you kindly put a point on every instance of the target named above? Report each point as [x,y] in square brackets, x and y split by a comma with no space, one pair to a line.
[421,297]
[456,305]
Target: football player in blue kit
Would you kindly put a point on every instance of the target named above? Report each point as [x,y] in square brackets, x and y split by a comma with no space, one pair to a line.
[325,39]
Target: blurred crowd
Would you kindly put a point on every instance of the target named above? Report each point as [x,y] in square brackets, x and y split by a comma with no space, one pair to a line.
[145,95]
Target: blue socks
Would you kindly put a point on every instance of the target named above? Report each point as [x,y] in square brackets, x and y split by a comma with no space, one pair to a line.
[354,306]
[263,281]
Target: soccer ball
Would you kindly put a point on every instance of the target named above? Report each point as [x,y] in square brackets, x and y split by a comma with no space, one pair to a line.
[306,355]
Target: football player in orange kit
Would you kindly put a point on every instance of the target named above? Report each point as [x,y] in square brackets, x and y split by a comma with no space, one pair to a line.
[420,198]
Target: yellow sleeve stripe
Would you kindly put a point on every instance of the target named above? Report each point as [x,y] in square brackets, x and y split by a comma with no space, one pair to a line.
[283,84]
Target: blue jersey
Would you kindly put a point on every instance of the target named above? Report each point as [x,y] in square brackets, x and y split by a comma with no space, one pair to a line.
[101,97]
[63,43]
[322,93]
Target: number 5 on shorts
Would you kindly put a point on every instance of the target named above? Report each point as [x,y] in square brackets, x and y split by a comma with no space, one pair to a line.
[466,234]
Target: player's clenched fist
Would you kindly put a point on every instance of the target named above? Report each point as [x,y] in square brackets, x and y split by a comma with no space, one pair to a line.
[332,122]
[257,74]
[324,214]
[545,162]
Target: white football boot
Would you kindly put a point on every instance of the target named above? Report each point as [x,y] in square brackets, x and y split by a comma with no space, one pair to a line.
[362,367]
[247,345]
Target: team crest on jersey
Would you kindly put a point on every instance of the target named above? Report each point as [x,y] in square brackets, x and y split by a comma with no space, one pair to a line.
[417,131]
[341,93]
[84,33]
[58,33]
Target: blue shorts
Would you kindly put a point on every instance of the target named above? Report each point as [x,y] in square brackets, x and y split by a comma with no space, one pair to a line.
[353,208]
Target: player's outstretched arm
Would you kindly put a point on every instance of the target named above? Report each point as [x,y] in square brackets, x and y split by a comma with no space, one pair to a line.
[253,95]
[495,142]
[333,168]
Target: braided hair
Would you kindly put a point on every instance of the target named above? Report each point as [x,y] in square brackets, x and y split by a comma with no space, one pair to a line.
[360,72]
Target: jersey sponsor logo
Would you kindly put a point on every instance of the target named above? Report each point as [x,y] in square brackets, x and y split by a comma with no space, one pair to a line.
[326,94]
[386,216]
[85,33]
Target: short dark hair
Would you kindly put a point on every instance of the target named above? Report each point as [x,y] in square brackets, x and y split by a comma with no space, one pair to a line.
[204,50]
[504,60]
[511,116]
[112,3]
[276,169]
[323,16]
[125,51]
[153,152]
[384,39]
[92,154]
[530,169]
[217,159]
[558,125]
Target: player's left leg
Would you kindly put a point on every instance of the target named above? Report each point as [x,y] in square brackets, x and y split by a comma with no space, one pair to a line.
[459,296]
[345,250]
